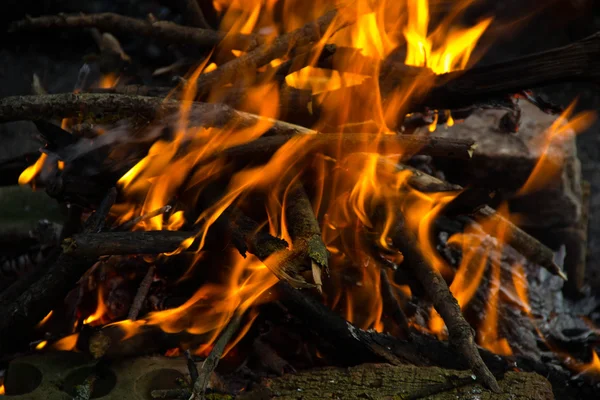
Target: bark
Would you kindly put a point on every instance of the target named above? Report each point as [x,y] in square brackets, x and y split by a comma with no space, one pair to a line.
[158,30]
[405,382]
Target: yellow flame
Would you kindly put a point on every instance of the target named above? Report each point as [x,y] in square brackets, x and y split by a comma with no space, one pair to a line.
[67,343]
[41,345]
[30,172]
[44,320]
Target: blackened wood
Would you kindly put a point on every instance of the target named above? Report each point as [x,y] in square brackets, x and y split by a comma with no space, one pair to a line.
[159,30]
[348,341]
[461,333]
[191,11]
[141,294]
[391,306]
[211,362]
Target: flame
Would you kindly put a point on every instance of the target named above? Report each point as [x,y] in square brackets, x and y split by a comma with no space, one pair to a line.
[591,368]
[108,81]
[441,53]
[100,315]
[551,161]
[67,343]
[44,320]
[2,390]
[30,172]
[176,221]
[41,345]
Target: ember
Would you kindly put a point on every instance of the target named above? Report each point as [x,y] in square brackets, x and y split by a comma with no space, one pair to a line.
[291,200]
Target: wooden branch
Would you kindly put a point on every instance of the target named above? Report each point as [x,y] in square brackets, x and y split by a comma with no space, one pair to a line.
[118,106]
[282,45]
[211,362]
[121,243]
[140,296]
[305,231]
[158,30]
[334,144]
[461,333]
[390,303]
[578,61]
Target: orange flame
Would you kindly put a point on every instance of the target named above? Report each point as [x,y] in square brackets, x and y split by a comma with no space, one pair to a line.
[67,343]
[99,316]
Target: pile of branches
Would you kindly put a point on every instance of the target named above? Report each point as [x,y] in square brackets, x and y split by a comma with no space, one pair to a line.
[88,182]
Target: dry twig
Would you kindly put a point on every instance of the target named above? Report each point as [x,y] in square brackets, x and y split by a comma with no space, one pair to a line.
[141,294]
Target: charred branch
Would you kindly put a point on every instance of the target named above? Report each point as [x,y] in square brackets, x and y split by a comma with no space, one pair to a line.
[158,30]
[141,294]
[461,333]
[211,362]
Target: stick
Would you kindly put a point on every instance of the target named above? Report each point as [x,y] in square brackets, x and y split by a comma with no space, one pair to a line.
[141,294]
[133,222]
[524,243]
[334,144]
[193,370]
[305,231]
[265,53]
[158,30]
[117,106]
[121,243]
[42,296]
[211,362]
[461,333]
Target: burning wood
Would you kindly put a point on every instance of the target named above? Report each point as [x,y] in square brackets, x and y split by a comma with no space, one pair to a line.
[292,187]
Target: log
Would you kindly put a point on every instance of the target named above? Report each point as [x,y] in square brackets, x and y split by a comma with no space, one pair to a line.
[403,382]
[164,31]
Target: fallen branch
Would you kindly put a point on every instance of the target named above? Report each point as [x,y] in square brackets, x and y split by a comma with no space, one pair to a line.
[158,30]
[211,362]
[114,107]
[461,333]
[305,231]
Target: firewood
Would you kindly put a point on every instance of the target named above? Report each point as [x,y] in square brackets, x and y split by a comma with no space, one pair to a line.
[141,294]
[159,30]
[390,303]
[407,382]
[211,362]
[461,333]
[57,106]
[305,231]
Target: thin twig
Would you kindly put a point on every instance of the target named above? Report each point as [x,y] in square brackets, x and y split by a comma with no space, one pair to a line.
[193,370]
[145,217]
[159,30]
[390,302]
[213,358]
[141,294]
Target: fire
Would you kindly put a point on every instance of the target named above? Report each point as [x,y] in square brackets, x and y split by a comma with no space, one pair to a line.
[41,345]
[2,390]
[446,49]
[108,81]
[99,316]
[593,367]
[44,320]
[67,343]
[30,172]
